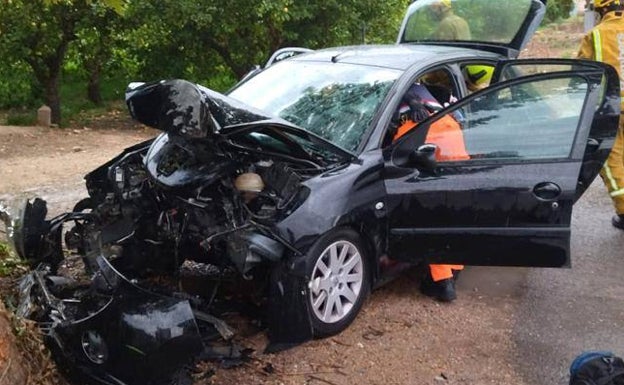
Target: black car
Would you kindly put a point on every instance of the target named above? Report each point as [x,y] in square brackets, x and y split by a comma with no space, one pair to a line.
[295,180]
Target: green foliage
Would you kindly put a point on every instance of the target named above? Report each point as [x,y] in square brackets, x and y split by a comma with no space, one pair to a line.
[38,33]
[558,10]
[21,117]
[76,108]
[16,85]
[51,48]
[10,265]
[118,6]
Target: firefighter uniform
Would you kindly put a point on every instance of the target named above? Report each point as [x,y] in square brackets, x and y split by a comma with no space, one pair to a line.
[605,43]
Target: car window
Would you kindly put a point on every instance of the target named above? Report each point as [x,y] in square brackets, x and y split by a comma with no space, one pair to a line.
[441,84]
[516,70]
[468,20]
[336,101]
[528,121]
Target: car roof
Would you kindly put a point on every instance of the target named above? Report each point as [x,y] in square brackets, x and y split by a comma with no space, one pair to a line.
[398,56]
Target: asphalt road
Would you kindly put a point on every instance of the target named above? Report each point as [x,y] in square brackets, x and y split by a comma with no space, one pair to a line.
[562,312]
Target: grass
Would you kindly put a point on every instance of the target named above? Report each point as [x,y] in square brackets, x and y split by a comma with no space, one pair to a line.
[20,117]
[77,109]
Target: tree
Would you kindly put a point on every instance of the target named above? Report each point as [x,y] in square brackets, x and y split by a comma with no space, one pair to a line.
[173,36]
[558,9]
[97,37]
[38,32]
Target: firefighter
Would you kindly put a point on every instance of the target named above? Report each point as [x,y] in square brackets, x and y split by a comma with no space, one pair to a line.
[605,43]
[445,133]
[451,26]
[477,76]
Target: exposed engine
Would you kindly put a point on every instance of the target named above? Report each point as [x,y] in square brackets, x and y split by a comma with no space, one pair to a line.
[223,219]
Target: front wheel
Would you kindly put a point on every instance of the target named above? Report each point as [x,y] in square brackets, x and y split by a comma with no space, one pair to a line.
[339,281]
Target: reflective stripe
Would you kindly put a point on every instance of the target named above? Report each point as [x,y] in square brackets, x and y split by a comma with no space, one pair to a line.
[612,181]
[617,193]
[597,45]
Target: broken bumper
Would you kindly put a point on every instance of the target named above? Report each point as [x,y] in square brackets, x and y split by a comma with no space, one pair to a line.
[112,332]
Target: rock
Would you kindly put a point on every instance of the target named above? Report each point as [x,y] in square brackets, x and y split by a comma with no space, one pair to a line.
[76,149]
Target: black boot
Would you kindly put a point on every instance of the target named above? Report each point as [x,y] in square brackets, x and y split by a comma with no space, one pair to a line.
[443,290]
[618,221]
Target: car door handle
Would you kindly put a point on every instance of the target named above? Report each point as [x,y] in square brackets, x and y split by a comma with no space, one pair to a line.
[547,191]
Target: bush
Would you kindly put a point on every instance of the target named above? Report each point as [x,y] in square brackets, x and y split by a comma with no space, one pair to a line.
[558,9]
[16,85]
[21,117]
[9,264]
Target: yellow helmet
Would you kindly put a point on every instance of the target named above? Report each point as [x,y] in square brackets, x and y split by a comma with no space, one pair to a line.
[448,3]
[478,76]
[606,3]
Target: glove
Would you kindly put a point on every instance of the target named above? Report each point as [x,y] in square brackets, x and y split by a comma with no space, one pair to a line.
[419,111]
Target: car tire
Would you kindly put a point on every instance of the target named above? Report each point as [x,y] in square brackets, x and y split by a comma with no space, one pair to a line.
[340,281]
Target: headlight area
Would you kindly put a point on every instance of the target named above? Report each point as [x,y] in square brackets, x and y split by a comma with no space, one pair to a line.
[33,238]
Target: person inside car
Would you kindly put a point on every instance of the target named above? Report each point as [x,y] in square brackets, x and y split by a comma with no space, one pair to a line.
[417,105]
[477,76]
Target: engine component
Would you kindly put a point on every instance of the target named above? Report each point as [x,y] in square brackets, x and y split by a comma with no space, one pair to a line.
[249,181]
[249,185]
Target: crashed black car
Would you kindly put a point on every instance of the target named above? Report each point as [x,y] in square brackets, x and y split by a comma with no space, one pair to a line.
[293,181]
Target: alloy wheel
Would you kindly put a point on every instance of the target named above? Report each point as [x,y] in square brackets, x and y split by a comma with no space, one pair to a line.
[336,281]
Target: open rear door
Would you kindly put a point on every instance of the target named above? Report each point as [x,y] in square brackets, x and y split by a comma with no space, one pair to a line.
[534,140]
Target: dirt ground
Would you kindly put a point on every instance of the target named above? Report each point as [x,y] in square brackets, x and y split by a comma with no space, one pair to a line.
[400,337]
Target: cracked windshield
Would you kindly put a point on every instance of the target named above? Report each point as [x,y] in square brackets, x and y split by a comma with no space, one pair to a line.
[333,100]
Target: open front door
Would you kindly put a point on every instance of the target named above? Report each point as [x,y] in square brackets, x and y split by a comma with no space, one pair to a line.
[533,143]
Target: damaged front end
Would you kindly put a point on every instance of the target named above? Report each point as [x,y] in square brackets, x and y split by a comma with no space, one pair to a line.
[211,190]
[110,330]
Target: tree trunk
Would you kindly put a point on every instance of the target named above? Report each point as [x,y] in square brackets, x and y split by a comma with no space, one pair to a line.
[93,88]
[53,98]
[12,368]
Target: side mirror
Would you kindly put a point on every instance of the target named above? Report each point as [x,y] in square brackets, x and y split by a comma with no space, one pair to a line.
[424,157]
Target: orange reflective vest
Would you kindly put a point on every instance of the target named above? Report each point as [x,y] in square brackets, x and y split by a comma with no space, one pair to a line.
[446,134]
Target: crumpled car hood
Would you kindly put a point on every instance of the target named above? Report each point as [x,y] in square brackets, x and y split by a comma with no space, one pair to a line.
[183,108]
